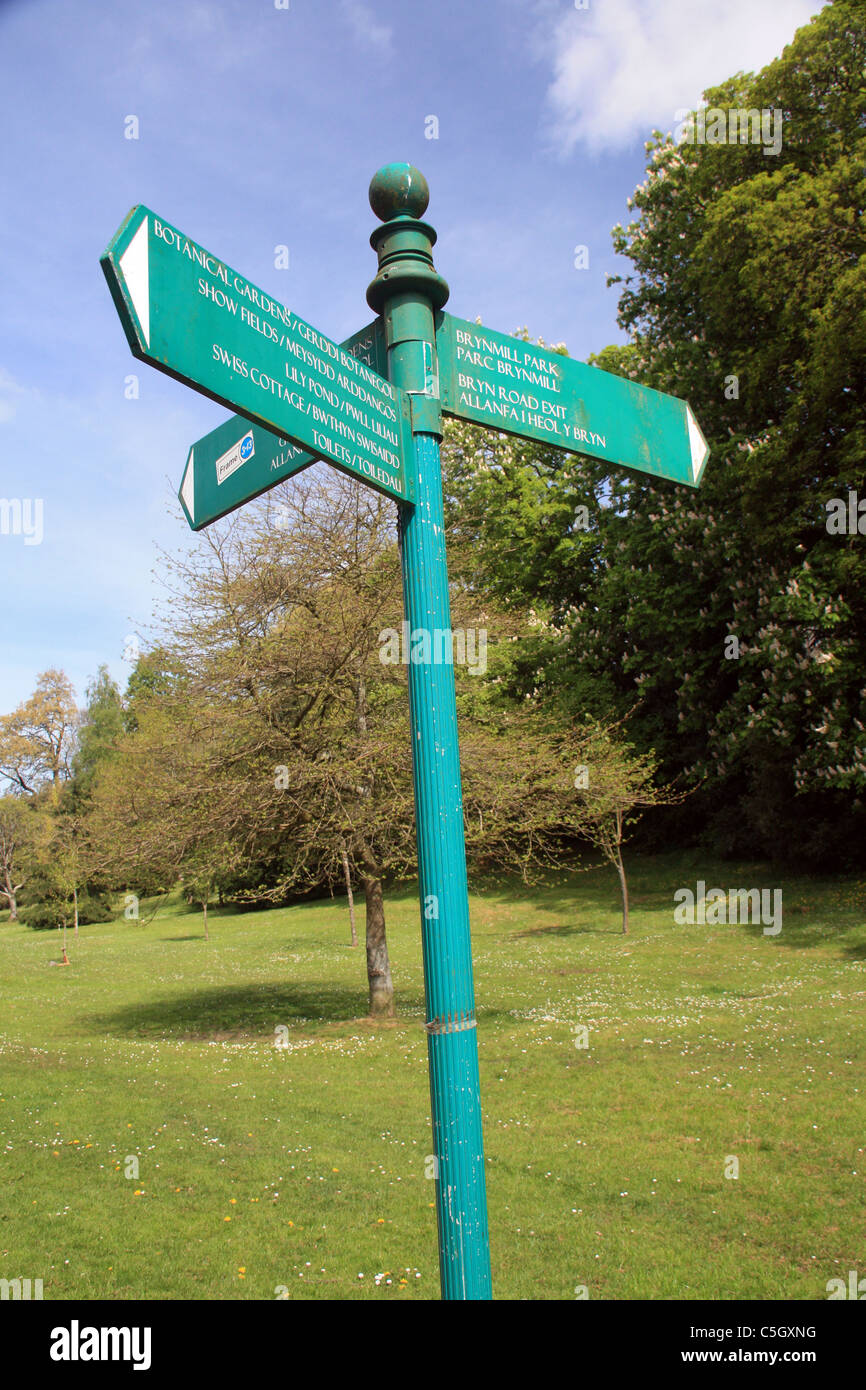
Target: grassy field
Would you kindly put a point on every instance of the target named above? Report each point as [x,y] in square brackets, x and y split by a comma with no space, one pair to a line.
[263,1169]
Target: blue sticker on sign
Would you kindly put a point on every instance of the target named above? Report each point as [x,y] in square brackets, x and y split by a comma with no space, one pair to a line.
[246,446]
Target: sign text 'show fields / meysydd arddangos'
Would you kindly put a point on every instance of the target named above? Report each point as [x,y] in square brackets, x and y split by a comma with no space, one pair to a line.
[239,460]
[189,314]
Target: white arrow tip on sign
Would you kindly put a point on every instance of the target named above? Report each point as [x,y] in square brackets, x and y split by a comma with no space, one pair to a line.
[698,445]
[134,268]
[187,487]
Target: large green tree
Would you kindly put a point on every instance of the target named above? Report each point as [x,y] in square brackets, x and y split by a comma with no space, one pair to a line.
[734,612]
[273,750]
[101,726]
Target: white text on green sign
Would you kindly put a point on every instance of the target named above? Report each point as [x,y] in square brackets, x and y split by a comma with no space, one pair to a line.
[239,460]
[493,379]
[189,314]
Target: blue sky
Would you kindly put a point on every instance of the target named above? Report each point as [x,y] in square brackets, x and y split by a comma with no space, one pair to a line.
[261,126]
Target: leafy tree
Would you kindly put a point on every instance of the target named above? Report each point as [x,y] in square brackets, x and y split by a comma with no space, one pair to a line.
[747,298]
[151,678]
[280,626]
[61,889]
[156,817]
[24,837]
[283,735]
[66,870]
[613,785]
[37,739]
[102,724]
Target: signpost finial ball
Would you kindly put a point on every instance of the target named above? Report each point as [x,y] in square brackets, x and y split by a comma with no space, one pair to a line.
[398,189]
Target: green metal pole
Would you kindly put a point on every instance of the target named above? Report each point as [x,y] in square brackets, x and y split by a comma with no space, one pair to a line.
[407,291]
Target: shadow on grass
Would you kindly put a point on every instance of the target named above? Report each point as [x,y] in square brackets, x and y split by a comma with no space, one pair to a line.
[575,929]
[804,938]
[243,1011]
[819,911]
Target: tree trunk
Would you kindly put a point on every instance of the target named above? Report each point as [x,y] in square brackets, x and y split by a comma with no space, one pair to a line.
[9,893]
[378,965]
[206,933]
[75,909]
[620,868]
[348,878]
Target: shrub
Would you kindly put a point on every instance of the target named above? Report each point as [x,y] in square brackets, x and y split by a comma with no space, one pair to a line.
[93,907]
[41,916]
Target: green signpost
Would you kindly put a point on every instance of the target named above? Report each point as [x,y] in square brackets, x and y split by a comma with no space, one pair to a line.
[301,397]
[238,460]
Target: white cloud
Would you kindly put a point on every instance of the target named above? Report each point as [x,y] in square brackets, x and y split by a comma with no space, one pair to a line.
[365,27]
[622,67]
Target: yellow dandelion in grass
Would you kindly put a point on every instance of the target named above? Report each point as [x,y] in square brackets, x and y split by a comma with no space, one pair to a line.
[138,1192]
[291,1223]
[233,1201]
[88,1146]
[335,1170]
[242,1269]
[380,1221]
[56,1153]
[226,1218]
[177,1189]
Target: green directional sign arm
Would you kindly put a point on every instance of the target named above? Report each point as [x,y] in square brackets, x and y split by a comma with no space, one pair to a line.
[494,379]
[190,315]
[233,464]
[239,460]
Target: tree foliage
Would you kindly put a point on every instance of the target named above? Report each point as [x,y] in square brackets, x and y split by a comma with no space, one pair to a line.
[25,834]
[748,298]
[37,739]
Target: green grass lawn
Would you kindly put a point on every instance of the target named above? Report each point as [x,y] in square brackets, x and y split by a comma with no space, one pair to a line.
[302,1168]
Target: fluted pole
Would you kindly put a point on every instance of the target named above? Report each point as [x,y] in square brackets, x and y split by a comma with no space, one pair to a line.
[407,291]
